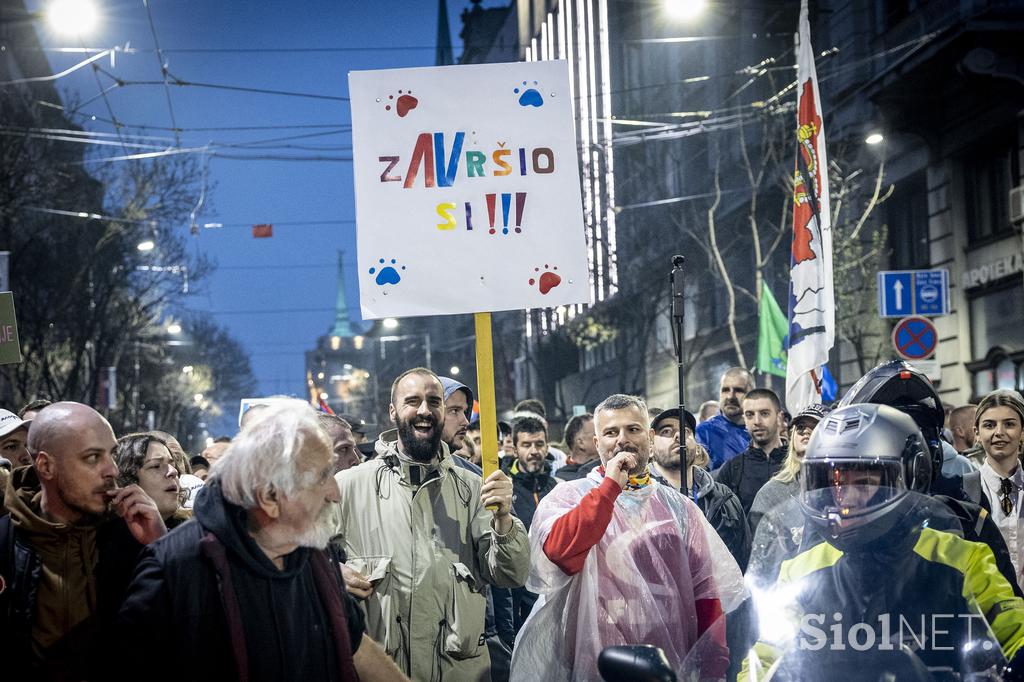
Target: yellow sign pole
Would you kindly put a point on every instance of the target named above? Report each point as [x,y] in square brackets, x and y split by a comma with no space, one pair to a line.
[485,390]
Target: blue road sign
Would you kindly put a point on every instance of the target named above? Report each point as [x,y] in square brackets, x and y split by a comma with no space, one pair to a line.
[913,292]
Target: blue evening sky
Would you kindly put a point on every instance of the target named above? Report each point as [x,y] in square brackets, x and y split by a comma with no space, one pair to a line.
[297,268]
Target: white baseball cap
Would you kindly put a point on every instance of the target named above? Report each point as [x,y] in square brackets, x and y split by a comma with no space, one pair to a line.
[10,422]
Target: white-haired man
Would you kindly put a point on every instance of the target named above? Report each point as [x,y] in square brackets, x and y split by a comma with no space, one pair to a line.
[618,558]
[421,542]
[246,588]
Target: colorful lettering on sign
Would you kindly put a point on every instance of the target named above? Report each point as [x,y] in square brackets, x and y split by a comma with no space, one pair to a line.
[441,168]
[506,202]
[444,210]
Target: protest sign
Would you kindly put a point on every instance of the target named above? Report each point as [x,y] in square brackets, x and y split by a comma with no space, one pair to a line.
[467,198]
[10,347]
[467,189]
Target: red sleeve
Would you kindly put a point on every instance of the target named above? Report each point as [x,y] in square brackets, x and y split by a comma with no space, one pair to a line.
[573,534]
[710,617]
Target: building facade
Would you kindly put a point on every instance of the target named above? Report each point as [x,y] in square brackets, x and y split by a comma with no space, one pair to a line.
[686,142]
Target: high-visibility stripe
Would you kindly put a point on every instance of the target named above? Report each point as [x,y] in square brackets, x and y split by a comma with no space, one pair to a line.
[822,555]
[984,586]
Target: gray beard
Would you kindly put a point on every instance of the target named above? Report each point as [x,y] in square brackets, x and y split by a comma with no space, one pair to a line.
[319,535]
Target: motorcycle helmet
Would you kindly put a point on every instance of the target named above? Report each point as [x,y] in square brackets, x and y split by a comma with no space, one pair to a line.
[860,464]
[899,384]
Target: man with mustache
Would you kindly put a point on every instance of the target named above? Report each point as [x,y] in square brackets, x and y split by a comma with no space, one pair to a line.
[424,537]
[725,435]
[68,547]
[748,472]
[247,588]
[619,558]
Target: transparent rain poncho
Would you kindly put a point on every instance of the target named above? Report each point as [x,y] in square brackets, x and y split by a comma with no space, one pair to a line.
[639,584]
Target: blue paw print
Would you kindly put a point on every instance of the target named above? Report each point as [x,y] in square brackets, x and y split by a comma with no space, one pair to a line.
[530,96]
[388,274]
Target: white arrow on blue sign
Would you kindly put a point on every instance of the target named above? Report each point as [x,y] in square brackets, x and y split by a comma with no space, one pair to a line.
[913,292]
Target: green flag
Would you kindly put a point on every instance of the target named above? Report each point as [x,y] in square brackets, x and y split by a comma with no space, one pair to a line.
[773,328]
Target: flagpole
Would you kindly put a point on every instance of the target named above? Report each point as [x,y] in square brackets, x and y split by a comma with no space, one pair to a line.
[675,279]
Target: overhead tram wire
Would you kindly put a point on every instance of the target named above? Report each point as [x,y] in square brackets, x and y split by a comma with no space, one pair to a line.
[106,101]
[163,68]
[296,126]
[913,43]
[393,48]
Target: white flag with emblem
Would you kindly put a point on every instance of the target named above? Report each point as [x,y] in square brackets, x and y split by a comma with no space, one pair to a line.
[812,328]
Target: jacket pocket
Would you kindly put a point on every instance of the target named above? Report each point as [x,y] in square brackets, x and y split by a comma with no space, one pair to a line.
[383,619]
[464,622]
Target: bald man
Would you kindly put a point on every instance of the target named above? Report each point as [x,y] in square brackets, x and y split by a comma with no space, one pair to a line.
[68,547]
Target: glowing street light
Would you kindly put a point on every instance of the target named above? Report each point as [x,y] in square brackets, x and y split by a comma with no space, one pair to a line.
[174,328]
[147,245]
[72,17]
[874,138]
[454,370]
[685,9]
[390,323]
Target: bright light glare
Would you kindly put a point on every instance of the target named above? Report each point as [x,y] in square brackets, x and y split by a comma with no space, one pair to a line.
[147,245]
[174,328]
[685,9]
[874,138]
[72,17]
[454,370]
[390,323]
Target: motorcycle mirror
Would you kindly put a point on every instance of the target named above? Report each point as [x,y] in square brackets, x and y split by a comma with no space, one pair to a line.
[634,663]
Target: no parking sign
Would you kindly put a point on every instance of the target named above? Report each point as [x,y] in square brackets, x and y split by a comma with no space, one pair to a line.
[915,338]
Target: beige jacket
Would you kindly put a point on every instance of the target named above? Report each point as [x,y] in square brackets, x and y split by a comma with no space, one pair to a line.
[421,537]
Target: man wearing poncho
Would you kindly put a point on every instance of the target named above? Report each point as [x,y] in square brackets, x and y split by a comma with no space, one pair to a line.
[618,558]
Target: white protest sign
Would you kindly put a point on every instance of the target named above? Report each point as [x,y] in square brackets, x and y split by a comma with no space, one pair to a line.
[467,189]
[245,404]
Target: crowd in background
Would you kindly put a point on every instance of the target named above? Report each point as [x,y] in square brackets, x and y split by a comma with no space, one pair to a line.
[300,549]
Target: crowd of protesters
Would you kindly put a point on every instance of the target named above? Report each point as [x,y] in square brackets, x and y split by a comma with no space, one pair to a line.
[298,549]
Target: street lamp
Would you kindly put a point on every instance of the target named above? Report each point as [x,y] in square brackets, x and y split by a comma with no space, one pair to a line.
[874,138]
[454,370]
[390,323]
[72,17]
[146,245]
[685,9]
[174,328]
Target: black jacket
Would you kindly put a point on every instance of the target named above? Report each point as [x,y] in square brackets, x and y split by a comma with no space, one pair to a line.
[207,590]
[724,512]
[909,575]
[81,654]
[528,489]
[745,473]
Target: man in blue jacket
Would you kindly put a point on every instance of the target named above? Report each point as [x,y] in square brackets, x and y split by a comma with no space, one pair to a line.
[725,435]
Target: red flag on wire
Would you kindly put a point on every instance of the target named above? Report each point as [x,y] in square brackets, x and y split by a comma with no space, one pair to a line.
[262,231]
[324,407]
